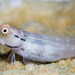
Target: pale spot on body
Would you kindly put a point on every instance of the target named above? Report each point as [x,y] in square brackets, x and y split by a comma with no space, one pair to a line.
[57,39]
[72,48]
[68,40]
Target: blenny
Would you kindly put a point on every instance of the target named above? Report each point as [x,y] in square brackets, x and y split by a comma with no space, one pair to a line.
[36,47]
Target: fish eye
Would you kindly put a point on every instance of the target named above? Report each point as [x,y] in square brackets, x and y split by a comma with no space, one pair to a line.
[4,31]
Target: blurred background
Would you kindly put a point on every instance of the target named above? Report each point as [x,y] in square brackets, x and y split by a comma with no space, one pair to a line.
[53,14]
[40,16]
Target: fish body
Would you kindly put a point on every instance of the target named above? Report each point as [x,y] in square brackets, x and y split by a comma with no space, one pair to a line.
[36,47]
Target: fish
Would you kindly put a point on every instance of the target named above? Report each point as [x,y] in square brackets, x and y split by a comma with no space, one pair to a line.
[36,47]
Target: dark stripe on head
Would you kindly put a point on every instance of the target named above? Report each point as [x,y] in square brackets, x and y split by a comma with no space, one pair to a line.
[22,39]
[16,36]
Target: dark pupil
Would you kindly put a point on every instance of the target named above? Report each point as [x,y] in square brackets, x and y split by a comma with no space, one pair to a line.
[5,30]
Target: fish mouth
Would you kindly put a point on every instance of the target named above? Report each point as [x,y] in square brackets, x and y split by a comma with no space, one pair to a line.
[11,46]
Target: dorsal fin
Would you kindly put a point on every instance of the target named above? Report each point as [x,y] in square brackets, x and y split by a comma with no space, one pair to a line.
[70,31]
[39,28]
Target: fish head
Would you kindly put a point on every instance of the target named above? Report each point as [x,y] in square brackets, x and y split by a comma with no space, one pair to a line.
[7,35]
